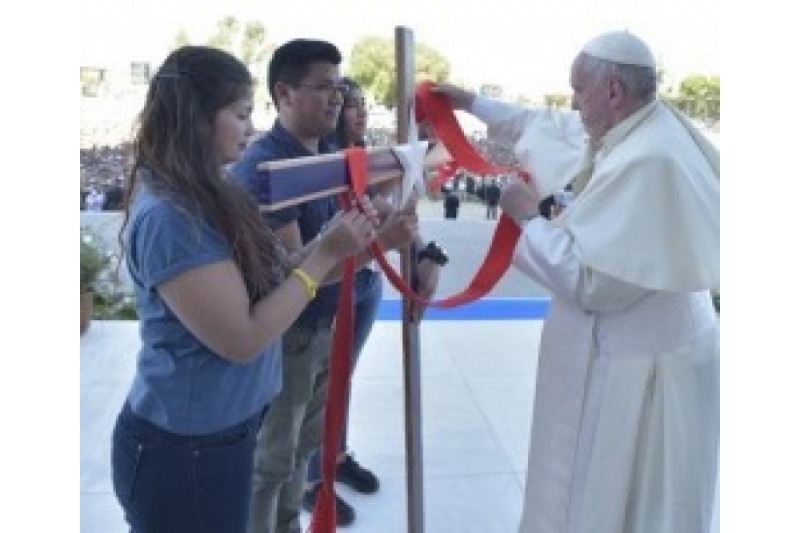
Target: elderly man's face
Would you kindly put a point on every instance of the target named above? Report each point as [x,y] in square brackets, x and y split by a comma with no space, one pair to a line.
[592,98]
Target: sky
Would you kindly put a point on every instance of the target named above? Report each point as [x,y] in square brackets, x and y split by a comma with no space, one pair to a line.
[495,43]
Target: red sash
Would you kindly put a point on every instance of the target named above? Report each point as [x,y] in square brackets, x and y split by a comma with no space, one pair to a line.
[438,111]
[324,519]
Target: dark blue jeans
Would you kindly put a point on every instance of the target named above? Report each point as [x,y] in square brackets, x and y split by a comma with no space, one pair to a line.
[168,483]
[368,293]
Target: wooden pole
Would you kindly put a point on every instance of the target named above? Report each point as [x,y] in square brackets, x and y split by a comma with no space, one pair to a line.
[404,59]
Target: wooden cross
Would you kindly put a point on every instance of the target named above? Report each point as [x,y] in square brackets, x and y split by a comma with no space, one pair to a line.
[289,182]
[412,383]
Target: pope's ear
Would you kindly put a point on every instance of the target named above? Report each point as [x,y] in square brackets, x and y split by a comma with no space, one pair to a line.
[617,92]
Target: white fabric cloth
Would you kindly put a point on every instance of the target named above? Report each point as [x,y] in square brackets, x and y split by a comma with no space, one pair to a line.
[653,190]
[548,143]
[649,214]
[412,158]
[625,432]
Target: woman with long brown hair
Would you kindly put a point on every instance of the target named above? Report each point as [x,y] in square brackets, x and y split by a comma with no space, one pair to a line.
[215,290]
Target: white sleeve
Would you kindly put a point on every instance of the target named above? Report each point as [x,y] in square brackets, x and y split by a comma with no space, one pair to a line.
[505,122]
[545,253]
[549,143]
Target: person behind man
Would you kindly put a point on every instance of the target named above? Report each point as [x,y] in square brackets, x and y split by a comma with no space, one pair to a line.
[215,290]
[350,131]
[305,85]
[625,432]
[115,194]
[492,199]
[451,204]
[96,199]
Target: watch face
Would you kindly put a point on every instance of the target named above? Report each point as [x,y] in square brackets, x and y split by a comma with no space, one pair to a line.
[433,252]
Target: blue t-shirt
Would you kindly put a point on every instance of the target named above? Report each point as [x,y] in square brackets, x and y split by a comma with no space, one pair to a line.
[278,144]
[180,385]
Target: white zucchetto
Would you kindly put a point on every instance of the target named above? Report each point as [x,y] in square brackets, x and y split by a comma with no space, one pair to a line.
[620,47]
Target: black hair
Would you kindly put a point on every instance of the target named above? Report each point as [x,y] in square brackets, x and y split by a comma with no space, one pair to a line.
[292,60]
[339,135]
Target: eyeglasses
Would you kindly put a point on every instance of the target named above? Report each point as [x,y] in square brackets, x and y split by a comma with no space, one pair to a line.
[327,87]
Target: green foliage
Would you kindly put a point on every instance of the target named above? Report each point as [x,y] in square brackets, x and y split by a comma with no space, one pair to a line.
[247,41]
[114,306]
[254,47]
[182,39]
[562,101]
[94,259]
[372,65]
[224,38]
[99,275]
[699,97]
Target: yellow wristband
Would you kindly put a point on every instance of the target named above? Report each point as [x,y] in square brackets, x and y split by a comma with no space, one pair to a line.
[308,282]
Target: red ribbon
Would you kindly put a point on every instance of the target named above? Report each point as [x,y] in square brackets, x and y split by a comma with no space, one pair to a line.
[324,518]
[444,173]
[437,110]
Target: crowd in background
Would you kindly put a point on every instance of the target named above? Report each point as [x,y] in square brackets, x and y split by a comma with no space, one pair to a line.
[104,170]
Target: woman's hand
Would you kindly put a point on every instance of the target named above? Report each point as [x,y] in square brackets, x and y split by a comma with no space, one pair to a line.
[347,234]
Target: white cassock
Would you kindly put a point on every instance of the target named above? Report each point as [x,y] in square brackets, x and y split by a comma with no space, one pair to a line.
[625,432]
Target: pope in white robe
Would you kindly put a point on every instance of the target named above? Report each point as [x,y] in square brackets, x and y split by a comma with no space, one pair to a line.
[625,432]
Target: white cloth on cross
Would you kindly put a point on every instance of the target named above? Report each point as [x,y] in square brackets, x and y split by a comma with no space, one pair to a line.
[412,156]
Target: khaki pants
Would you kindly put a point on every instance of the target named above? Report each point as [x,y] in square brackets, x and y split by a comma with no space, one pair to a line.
[292,429]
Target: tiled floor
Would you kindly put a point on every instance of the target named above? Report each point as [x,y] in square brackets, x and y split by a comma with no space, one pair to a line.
[477,391]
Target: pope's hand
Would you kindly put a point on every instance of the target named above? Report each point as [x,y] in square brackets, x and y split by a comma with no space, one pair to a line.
[346,234]
[427,280]
[520,200]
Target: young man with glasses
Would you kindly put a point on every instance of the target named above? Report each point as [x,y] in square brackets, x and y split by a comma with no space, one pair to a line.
[305,85]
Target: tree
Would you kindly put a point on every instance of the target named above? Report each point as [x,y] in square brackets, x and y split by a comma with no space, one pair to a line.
[246,41]
[181,39]
[224,38]
[698,96]
[560,101]
[255,49]
[372,65]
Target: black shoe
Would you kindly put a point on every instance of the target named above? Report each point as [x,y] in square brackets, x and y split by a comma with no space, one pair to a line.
[345,514]
[356,477]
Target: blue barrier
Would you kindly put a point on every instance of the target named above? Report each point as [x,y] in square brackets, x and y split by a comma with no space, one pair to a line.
[484,309]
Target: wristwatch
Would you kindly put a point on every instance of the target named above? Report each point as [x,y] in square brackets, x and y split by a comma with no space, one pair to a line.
[433,252]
